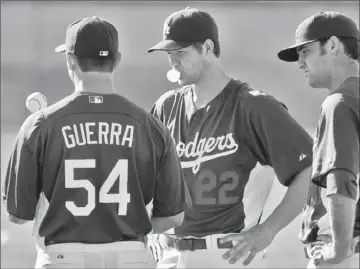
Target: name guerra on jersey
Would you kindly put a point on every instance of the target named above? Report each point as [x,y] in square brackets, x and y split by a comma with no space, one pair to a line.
[91,133]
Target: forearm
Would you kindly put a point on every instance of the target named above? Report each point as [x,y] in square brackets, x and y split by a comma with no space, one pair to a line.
[292,203]
[161,225]
[342,217]
[342,188]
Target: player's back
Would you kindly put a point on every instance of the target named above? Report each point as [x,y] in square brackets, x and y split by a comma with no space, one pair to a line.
[99,159]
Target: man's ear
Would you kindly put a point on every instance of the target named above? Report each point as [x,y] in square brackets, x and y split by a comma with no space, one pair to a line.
[117,59]
[70,60]
[333,45]
[209,46]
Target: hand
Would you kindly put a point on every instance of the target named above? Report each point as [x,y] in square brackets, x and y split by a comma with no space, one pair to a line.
[324,238]
[254,240]
[322,254]
[155,246]
[325,254]
[321,240]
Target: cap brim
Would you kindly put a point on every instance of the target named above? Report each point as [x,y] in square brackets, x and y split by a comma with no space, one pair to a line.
[61,48]
[290,54]
[169,45]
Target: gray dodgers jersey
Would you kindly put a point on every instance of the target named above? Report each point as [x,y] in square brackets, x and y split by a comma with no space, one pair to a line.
[220,144]
[336,146]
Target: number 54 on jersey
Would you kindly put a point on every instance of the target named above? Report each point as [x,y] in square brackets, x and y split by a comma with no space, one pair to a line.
[119,172]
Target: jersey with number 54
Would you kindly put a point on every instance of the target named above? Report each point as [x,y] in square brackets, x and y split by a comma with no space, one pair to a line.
[87,167]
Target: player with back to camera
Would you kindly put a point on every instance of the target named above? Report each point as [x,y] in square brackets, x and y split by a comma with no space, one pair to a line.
[87,166]
[327,50]
[222,128]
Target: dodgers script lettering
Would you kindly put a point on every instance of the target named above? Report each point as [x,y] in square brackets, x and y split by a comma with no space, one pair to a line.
[205,149]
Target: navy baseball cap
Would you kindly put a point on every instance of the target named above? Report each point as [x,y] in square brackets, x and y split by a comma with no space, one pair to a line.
[91,38]
[186,27]
[323,24]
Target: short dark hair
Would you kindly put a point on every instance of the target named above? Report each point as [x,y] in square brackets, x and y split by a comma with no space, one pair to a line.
[198,46]
[97,65]
[351,46]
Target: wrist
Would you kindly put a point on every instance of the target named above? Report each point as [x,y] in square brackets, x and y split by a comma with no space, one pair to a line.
[269,228]
[334,259]
[336,256]
[341,250]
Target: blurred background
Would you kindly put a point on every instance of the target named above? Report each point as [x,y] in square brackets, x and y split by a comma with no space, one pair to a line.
[251,34]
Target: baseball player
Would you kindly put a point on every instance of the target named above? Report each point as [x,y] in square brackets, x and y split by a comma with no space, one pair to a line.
[222,128]
[327,50]
[88,166]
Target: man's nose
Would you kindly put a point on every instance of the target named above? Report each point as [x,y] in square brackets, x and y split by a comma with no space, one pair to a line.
[300,62]
[174,61]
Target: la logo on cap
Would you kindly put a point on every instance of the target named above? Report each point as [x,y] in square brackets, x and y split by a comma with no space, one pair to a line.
[166,31]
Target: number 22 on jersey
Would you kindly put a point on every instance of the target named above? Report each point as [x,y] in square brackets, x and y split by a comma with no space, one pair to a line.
[119,172]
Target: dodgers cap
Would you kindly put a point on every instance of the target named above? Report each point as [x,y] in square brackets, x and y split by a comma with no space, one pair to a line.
[186,27]
[321,25]
[91,37]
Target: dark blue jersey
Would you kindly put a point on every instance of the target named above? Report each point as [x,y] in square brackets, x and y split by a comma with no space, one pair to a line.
[94,162]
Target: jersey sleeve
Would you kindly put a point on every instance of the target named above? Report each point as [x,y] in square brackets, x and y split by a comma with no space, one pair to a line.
[275,138]
[157,109]
[171,195]
[22,185]
[336,147]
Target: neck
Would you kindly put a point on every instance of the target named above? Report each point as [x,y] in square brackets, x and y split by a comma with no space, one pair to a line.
[211,84]
[95,83]
[342,73]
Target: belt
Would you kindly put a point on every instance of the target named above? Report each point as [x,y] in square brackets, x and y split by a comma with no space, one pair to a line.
[192,244]
[53,242]
[356,250]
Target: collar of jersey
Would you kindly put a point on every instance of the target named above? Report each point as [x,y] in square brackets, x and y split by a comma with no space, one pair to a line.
[220,97]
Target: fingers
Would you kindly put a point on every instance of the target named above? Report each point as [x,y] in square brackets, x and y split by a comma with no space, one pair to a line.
[240,254]
[237,252]
[318,258]
[156,250]
[151,248]
[249,259]
[317,243]
[231,237]
[315,249]
[159,252]
[325,238]
[264,253]
[233,250]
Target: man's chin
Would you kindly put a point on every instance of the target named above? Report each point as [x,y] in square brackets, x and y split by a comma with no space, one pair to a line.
[310,81]
[313,84]
[183,83]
